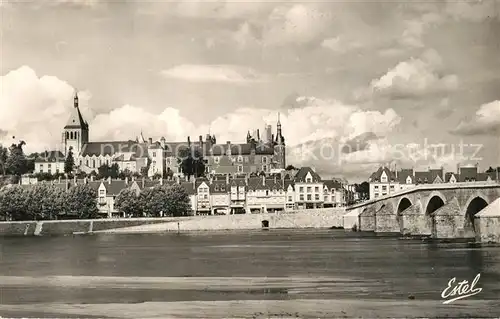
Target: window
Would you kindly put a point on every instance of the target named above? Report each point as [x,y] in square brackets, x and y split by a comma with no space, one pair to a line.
[392,186]
[41,168]
[316,196]
[102,192]
[87,162]
[264,168]
[205,196]
[301,189]
[154,154]
[309,189]
[93,163]
[376,186]
[308,180]
[309,197]
[376,194]
[153,162]
[264,160]
[316,189]
[383,194]
[240,159]
[384,188]
[301,197]
[326,198]
[289,198]
[240,168]
[267,193]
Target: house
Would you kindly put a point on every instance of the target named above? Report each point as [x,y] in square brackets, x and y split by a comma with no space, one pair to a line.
[203,206]
[289,188]
[308,189]
[333,195]
[265,195]
[237,195]
[106,195]
[219,197]
[406,179]
[383,182]
[50,163]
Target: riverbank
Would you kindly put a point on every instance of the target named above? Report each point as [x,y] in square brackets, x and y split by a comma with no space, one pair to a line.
[319,218]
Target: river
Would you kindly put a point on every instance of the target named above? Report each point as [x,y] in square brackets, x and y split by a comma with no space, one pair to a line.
[243,274]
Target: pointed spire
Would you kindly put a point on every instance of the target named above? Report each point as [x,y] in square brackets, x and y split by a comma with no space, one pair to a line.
[75,99]
[279,123]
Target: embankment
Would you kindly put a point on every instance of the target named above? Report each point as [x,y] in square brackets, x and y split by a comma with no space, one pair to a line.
[314,218]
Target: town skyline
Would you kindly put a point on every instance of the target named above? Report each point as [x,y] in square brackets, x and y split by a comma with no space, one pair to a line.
[430,76]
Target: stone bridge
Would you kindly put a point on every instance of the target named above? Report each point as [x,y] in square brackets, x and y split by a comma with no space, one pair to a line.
[435,210]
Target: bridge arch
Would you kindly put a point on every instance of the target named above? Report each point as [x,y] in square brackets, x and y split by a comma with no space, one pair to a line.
[403,204]
[474,205]
[435,200]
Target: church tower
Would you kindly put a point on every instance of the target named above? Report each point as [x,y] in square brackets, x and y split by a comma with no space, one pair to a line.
[279,146]
[76,131]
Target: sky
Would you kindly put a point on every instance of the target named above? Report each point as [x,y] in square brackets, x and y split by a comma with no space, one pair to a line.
[357,84]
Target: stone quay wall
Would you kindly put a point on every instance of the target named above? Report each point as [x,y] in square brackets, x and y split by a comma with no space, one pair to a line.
[312,218]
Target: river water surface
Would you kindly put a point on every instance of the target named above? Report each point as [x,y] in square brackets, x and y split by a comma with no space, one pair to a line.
[244,274]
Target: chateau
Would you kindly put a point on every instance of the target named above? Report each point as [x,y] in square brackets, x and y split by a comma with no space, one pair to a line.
[254,156]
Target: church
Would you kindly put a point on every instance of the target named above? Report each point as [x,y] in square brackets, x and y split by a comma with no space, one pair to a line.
[159,157]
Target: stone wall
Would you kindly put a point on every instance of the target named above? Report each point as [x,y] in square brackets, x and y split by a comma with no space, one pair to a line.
[488,229]
[314,218]
[386,221]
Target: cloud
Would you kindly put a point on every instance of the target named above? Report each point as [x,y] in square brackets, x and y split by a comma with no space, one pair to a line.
[35,109]
[415,78]
[339,45]
[299,24]
[474,11]
[416,28]
[213,73]
[486,122]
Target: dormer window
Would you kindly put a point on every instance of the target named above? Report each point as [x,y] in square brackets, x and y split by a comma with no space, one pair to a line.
[308,180]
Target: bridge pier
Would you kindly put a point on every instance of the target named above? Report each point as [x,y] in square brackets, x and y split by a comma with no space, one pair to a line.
[386,221]
[367,219]
[447,222]
[414,223]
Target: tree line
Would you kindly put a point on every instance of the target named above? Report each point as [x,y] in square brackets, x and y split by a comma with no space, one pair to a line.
[49,202]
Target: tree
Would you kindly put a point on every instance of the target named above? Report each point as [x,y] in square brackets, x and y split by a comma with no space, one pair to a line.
[169,174]
[45,202]
[81,202]
[191,162]
[153,200]
[16,162]
[105,171]
[145,169]
[69,163]
[290,168]
[3,159]
[13,203]
[128,203]
[126,173]
[177,201]
[363,189]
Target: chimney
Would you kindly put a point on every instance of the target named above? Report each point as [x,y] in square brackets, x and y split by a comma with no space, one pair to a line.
[194,183]
[263,180]
[91,178]
[161,181]
[258,135]
[150,141]
[274,178]
[74,179]
[126,180]
[143,180]
[85,180]
[109,180]
[201,140]
[227,178]
[189,141]
[228,152]
[59,179]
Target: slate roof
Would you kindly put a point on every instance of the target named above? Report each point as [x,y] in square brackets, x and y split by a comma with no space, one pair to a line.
[403,175]
[189,187]
[287,183]
[255,183]
[468,174]
[50,156]
[375,177]
[219,187]
[332,184]
[302,173]
[76,119]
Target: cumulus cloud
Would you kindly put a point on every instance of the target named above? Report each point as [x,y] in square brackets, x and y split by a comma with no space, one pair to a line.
[35,109]
[415,78]
[213,73]
[474,11]
[340,45]
[486,121]
[416,28]
[299,24]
